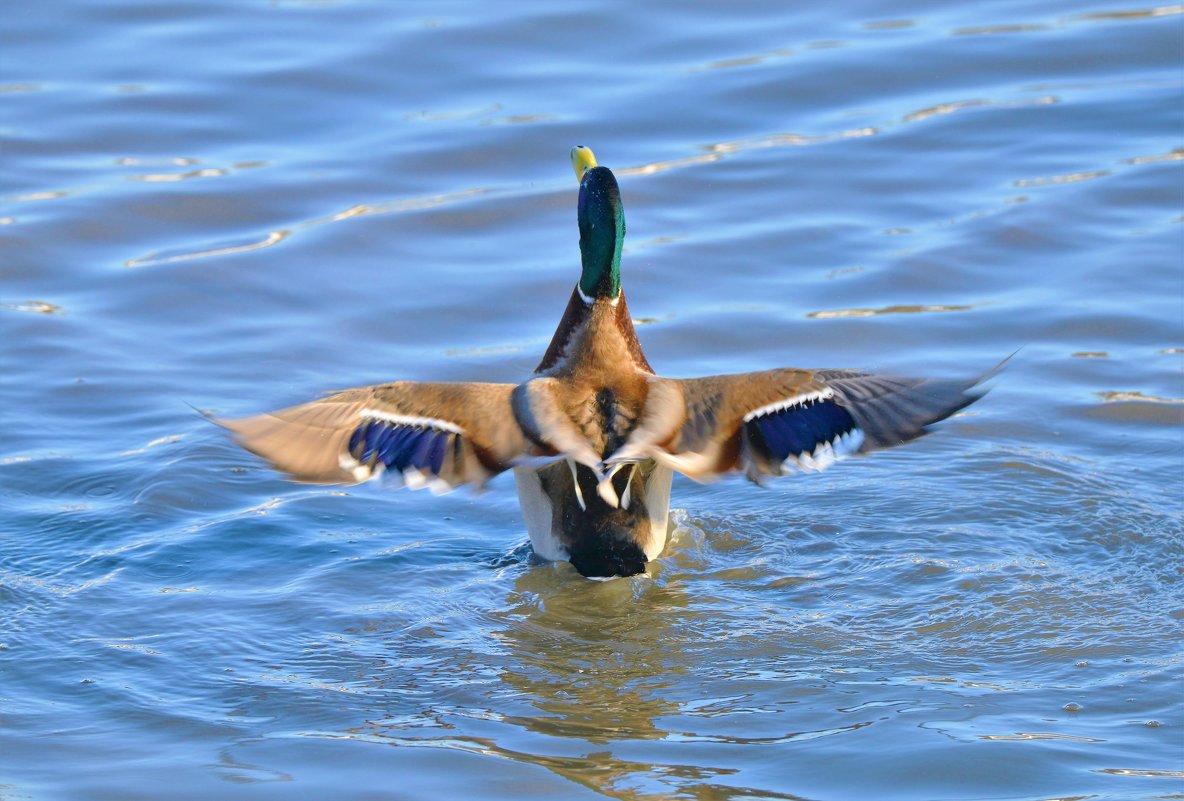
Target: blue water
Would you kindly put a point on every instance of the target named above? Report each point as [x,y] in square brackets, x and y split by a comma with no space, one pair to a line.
[238,206]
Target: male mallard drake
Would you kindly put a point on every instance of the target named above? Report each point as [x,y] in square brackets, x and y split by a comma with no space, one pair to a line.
[594,435]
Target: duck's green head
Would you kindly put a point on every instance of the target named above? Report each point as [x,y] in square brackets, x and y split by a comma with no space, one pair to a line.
[602,227]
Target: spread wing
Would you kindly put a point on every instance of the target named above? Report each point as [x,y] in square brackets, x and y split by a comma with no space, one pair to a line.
[774,422]
[440,435]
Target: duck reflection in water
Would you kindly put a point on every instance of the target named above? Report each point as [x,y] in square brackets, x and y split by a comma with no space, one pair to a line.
[606,673]
[586,666]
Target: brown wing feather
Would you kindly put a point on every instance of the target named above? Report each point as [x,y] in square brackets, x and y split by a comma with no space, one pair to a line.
[311,441]
[766,423]
[694,425]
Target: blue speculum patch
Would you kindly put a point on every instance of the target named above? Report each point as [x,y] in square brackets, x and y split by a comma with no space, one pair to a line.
[801,429]
[399,447]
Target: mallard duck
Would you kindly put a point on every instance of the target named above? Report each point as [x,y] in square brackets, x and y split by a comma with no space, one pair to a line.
[594,435]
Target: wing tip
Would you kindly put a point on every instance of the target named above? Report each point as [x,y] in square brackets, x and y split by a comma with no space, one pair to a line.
[903,409]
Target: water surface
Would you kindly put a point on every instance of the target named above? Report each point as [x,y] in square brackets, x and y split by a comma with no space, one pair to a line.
[236,206]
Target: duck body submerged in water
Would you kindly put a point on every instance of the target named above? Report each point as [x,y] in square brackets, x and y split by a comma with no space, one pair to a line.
[594,435]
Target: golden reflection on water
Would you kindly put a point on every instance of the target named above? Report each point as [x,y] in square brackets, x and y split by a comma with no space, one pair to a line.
[670,164]
[984,30]
[1018,736]
[917,309]
[1135,13]
[1096,16]
[166,440]
[591,653]
[275,237]
[1061,179]
[52,194]
[162,177]
[485,115]
[488,350]
[744,61]
[1172,155]
[176,161]
[590,660]
[408,204]
[1119,397]
[35,306]
[654,241]
[889,24]
[165,257]
[950,108]
[1146,774]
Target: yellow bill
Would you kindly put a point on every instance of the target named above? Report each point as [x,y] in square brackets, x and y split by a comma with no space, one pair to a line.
[582,159]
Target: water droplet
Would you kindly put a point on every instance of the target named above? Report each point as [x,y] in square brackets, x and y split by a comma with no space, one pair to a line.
[1072,706]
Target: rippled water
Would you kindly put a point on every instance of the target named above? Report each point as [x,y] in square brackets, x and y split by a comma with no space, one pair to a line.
[236,206]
